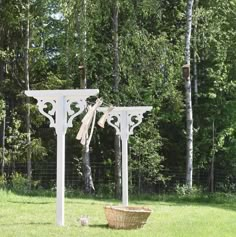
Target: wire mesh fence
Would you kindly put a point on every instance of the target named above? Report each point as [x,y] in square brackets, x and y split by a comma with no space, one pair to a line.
[104,178]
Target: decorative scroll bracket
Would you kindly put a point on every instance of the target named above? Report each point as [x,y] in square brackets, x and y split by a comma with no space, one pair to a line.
[61,107]
[124,120]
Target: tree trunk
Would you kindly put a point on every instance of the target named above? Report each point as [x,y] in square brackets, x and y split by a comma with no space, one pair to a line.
[195,58]
[3,122]
[139,177]
[116,48]
[3,144]
[13,165]
[189,114]
[2,77]
[67,52]
[195,64]
[88,180]
[85,44]
[87,172]
[213,159]
[116,89]
[27,85]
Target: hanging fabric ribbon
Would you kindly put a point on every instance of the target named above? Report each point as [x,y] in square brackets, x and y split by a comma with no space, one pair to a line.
[86,122]
[103,119]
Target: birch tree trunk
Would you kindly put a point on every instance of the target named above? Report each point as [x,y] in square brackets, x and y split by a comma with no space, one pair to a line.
[88,179]
[87,171]
[27,85]
[195,57]
[67,52]
[116,47]
[116,81]
[189,113]
[84,47]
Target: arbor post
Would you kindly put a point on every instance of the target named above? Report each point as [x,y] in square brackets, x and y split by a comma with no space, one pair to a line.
[124,120]
[61,113]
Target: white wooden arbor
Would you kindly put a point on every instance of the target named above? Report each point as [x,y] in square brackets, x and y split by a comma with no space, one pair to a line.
[124,120]
[60,108]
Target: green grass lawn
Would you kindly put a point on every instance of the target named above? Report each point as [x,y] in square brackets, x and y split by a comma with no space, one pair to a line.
[24,216]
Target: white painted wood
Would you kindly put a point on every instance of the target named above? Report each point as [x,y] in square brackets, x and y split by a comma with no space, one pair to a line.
[61,131]
[61,116]
[124,128]
[124,120]
[69,93]
[135,109]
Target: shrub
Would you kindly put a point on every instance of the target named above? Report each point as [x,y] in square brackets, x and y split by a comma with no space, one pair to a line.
[184,190]
[228,186]
[3,182]
[106,190]
[20,184]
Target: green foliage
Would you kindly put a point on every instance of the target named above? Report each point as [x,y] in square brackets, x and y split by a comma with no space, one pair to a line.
[3,182]
[20,184]
[38,151]
[2,110]
[145,159]
[185,191]
[15,140]
[105,190]
[216,54]
[228,186]
[78,163]
[151,35]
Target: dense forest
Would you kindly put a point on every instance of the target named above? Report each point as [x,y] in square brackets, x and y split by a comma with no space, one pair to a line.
[133,51]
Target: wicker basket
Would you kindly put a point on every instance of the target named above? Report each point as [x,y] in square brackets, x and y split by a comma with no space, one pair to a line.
[120,217]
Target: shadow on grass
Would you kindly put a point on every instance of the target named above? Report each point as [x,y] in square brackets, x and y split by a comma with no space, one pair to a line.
[103,226]
[52,202]
[29,223]
[24,202]
[225,206]
[68,194]
[217,200]
[34,193]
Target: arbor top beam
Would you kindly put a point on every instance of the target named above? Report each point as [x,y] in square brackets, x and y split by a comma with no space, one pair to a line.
[50,93]
[128,109]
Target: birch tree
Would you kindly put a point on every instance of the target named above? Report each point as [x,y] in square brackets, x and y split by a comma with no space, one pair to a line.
[27,87]
[87,171]
[195,56]
[116,89]
[188,94]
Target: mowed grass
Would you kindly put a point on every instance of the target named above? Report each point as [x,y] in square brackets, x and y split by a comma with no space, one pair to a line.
[24,216]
